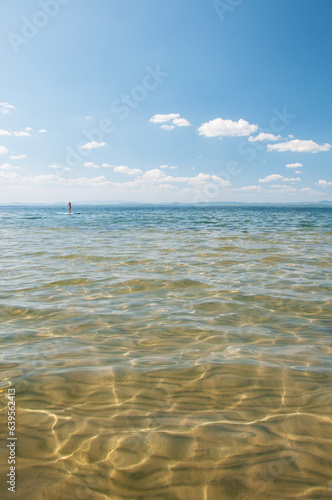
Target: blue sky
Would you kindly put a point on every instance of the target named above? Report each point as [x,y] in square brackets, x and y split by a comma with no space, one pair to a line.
[162,101]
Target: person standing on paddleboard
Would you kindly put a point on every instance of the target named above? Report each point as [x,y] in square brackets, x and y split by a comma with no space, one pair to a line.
[69,208]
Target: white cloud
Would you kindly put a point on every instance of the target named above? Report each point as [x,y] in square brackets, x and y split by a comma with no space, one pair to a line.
[167,166]
[299,146]
[156,177]
[250,188]
[227,128]
[202,178]
[310,191]
[58,167]
[167,127]
[323,183]
[170,121]
[122,169]
[39,179]
[126,170]
[18,157]
[54,179]
[93,145]
[293,165]
[11,176]
[283,187]
[87,181]
[22,133]
[298,171]
[7,166]
[181,122]
[5,108]
[42,131]
[88,117]
[154,174]
[277,177]
[164,118]
[166,187]
[3,150]
[150,181]
[264,137]
[272,177]
[90,164]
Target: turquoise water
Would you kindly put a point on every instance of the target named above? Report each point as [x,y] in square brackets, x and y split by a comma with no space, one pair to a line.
[168,353]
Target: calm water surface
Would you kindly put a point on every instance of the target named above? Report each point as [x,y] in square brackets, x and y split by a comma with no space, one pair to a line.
[167,353]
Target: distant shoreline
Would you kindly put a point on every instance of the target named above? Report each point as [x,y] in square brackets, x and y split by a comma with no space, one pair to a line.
[318,204]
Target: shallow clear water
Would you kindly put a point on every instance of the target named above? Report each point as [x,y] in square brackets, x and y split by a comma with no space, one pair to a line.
[167,353]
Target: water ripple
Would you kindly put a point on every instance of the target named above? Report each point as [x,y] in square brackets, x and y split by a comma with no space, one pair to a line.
[168,353]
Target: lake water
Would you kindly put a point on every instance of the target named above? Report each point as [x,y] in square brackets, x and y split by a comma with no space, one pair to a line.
[167,353]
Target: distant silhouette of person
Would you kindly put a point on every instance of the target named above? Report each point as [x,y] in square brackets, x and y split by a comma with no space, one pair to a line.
[69,208]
